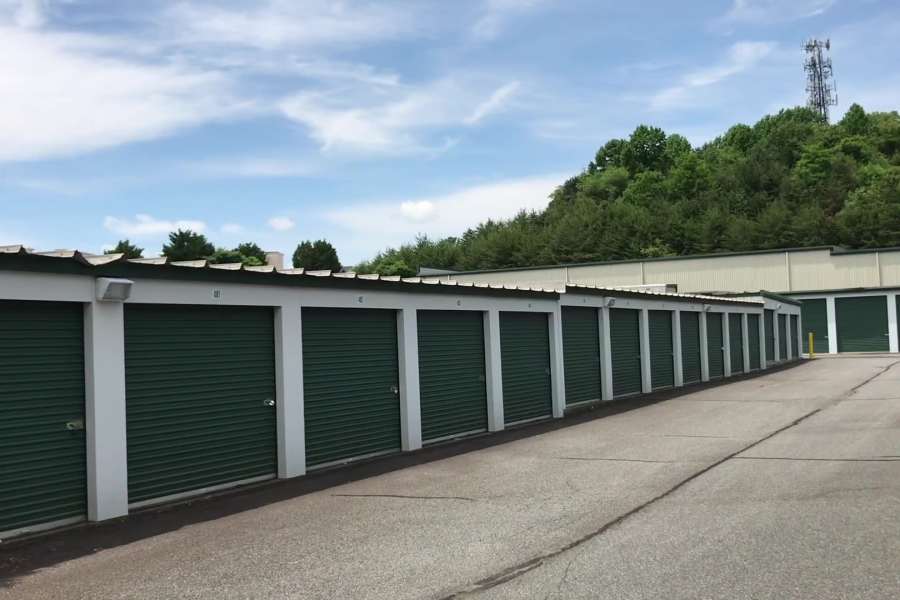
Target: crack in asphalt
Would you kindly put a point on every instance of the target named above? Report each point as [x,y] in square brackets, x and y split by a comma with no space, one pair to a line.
[520,569]
[885,459]
[403,497]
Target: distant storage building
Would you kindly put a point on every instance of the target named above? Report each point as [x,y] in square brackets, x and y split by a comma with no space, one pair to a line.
[126,383]
[849,296]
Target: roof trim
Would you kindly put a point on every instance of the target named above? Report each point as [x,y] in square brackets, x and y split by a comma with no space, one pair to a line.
[577,288]
[762,294]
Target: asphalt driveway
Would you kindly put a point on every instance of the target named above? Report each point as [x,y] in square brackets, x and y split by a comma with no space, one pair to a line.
[785,485]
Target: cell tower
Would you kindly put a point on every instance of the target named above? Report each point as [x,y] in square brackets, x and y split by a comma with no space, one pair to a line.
[819,77]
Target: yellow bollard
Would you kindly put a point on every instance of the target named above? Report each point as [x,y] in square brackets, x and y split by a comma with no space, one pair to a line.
[812,350]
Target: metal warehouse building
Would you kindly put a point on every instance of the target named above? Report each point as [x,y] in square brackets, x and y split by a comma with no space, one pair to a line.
[125,383]
[849,296]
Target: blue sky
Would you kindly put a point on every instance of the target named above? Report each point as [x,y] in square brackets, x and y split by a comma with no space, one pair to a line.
[369,122]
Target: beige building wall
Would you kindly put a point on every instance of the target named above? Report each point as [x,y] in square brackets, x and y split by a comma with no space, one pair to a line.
[778,271]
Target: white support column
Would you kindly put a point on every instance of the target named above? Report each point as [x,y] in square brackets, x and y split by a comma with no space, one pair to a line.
[776,337]
[831,314]
[606,377]
[745,337]
[762,341]
[105,426]
[493,370]
[646,373]
[704,349]
[289,391]
[676,348]
[893,345]
[557,368]
[726,344]
[410,411]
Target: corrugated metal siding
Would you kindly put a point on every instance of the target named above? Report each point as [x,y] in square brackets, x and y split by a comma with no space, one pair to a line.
[890,268]
[815,319]
[197,379]
[724,273]
[42,464]
[690,346]
[769,326]
[581,353]
[753,340]
[862,324]
[715,343]
[351,383]
[453,397]
[821,270]
[736,343]
[607,275]
[554,277]
[625,347]
[782,337]
[525,358]
[662,367]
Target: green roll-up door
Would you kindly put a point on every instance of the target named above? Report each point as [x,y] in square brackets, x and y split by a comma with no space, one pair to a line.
[581,353]
[525,358]
[199,397]
[625,347]
[769,326]
[782,337]
[736,343]
[351,384]
[690,346]
[715,344]
[795,342]
[42,460]
[815,320]
[862,324]
[453,397]
[662,367]
[753,340]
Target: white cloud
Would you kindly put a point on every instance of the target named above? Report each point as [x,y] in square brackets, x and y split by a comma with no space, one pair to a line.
[494,103]
[250,167]
[281,223]
[278,24]
[148,226]
[395,121]
[773,11]
[741,57]
[496,13]
[29,13]
[64,94]
[374,225]
[232,228]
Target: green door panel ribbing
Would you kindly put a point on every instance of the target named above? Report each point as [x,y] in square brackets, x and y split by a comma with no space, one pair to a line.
[350,383]
[782,337]
[453,397]
[815,320]
[581,353]
[862,324]
[525,358]
[690,346]
[753,340]
[200,390]
[715,344]
[42,462]
[625,347]
[736,343]
[769,326]
[795,343]
[662,367]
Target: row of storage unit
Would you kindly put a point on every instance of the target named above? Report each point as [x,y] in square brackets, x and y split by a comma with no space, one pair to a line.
[106,406]
[853,321]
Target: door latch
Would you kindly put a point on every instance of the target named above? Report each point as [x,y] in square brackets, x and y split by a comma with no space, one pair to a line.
[75,425]
[395,390]
[268,402]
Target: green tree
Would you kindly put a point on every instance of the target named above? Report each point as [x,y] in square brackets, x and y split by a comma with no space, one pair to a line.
[316,256]
[645,150]
[127,248]
[185,244]
[252,253]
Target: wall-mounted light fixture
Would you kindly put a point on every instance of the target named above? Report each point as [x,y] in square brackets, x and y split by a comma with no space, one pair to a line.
[113,290]
[706,307]
[609,302]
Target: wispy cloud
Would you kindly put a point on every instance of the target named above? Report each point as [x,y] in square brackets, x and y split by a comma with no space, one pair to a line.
[495,14]
[281,223]
[142,226]
[741,57]
[764,12]
[494,103]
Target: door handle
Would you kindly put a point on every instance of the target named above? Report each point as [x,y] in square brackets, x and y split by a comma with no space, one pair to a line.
[395,390]
[268,402]
[75,425]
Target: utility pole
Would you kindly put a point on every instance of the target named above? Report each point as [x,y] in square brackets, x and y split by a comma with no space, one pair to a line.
[821,90]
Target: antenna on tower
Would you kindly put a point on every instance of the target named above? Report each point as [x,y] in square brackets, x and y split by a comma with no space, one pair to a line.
[820,87]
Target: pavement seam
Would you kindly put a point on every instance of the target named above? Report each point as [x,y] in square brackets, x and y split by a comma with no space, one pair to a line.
[403,497]
[885,459]
[533,563]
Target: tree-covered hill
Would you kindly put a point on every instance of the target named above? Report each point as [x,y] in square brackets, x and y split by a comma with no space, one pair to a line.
[789,180]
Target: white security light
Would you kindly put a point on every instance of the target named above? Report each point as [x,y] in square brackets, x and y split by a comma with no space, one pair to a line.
[610,302]
[113,290]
